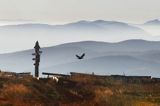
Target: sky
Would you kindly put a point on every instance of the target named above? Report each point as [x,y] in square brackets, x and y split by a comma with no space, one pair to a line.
[65,11]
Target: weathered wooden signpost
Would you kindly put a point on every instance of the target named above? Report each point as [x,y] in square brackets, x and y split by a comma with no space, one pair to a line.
[37,58]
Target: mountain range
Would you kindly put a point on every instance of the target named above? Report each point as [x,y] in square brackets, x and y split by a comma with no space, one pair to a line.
[132,57]
[129,57]
[98,30]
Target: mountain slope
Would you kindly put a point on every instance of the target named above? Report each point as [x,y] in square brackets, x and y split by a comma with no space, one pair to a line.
[153,22]
[118,64]
[152,27]
[132,57]
[57,34]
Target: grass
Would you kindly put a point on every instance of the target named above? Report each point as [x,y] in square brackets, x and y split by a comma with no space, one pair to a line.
[77,91]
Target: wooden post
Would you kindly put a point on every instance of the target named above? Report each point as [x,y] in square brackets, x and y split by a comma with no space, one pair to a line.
[37,58]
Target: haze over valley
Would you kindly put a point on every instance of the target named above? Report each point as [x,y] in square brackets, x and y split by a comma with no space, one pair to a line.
[21,36]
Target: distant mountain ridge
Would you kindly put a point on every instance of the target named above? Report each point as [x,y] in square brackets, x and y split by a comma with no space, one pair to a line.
[153,22]
[107,31]
[98,24]
[133,57]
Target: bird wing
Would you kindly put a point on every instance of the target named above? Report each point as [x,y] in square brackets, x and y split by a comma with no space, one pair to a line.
[77,56]
[83,55]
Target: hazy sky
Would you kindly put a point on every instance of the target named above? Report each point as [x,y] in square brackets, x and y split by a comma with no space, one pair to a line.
[60,11]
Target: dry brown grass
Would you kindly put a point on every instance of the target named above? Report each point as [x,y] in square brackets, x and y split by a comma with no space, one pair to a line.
[78,91]
[144,104]
[15,91]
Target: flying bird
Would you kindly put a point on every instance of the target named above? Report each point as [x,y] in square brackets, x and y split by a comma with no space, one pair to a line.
[80,57]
